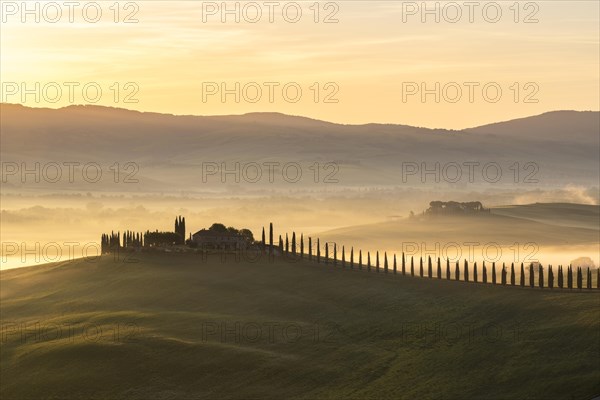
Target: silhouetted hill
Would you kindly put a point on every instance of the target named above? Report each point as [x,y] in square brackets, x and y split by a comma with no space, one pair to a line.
[563,126]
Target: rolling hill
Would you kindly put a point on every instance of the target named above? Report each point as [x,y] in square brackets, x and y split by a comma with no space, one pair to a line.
[179,326]
[553,233]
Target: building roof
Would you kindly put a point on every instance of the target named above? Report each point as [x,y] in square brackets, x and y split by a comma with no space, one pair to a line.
[208,232]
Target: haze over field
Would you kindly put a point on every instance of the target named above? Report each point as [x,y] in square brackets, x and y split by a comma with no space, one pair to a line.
[155,166]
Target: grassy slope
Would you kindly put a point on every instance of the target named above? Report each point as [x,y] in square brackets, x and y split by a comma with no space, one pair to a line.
[560,214]
[367,344]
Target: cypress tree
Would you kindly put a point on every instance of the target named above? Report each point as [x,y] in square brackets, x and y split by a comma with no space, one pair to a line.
[404,265]
[475,272]
[263,240]
[569,277]
[369,261]
[377,262]
[466,271]
[310,248]
[395,265]
[287,244]
[550,277]
[589,278]
[352,257]
[360,259]
[439,269]
[271,237]
[531,276]
[493,272]
[301,245]
[579,278]
[421,267]
[318,251]
[294,243]
[280,244]
[560,277]
[484,273]
[522,278]
[326,253]
[412,266]
[385,262]
[429,267]
[447,269]
[457,272]
[503,274]
[541,276]
[512,274]
[343,257]
[334,253]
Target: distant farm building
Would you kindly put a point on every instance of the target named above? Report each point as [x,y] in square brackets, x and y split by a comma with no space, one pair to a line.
[454,208]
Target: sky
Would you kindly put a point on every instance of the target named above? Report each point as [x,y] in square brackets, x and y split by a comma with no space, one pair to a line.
[349,62]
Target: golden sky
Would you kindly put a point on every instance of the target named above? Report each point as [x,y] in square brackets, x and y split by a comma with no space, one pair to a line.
[369,60]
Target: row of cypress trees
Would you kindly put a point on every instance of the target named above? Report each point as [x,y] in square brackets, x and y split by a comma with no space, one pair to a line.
[129,239]
[112,241]
[507,278]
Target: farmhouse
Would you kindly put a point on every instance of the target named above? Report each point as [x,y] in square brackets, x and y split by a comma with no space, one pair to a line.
[212,239]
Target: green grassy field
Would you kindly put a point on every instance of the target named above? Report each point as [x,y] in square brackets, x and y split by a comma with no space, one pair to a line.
[174,326]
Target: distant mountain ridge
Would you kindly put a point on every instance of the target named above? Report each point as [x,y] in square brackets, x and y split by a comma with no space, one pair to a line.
[266,117]
[563,144]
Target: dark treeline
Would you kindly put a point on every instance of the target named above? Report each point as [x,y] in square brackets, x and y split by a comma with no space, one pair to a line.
[129,239]
[540,276]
